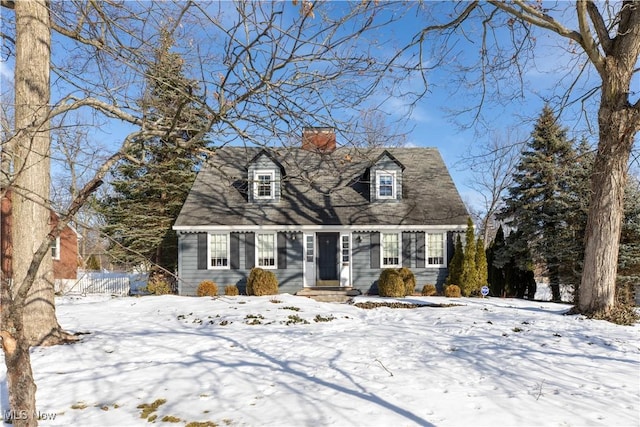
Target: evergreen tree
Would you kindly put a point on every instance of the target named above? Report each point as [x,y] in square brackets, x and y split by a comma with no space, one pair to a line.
[469,277]
[540,199]
[497,258]
[455,266]
[150,186]
[629,253]
[482,273]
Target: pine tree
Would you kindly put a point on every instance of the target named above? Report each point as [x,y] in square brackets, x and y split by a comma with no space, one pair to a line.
[482,270]
[540,199]
[455,266]
[469,277]
[150,186]
[629,253]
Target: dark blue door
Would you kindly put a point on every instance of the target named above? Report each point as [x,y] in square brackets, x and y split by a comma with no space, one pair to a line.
[327,261]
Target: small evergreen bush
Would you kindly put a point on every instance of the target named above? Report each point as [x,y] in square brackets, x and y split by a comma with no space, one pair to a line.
[158,285]
[429,290]
[262,282]
[231,290]
[207,288]
[390,284]
[452,291]
[409,280]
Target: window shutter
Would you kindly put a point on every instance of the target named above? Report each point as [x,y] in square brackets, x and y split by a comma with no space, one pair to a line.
[202,251]
[406,249]
[234,251]
[282,251]
[250,250]
[375,250]
[420,254]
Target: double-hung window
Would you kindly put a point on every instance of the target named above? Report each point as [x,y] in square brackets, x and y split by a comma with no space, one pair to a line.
[435,249]
[264,185]
[55,248]
[390,249]
[386,185]
[218,251]
[266,250]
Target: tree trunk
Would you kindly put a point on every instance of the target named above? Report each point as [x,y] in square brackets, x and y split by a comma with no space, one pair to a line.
[31,149]
[618,123]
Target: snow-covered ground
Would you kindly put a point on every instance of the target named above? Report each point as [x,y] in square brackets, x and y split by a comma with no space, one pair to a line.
[291,361]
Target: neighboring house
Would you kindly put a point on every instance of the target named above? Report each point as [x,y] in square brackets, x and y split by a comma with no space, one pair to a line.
[319,216]
[64,250]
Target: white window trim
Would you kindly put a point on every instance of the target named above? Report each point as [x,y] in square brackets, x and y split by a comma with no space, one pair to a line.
[56,257]
[382,264]
[228,255]
[256,184]
[275,252]
[444,251]
[380,174]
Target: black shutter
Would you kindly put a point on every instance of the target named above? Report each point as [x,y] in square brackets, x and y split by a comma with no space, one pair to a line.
[282,251]
[420,255]
[234,251]
[375,250]
[202,251]
[406,249]
[250,250]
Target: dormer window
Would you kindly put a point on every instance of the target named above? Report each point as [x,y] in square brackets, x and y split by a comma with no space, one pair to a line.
[386,185]
[264,185]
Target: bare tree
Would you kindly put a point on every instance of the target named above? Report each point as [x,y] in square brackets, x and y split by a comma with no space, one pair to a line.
[266,69]
[603,47]
[491,165]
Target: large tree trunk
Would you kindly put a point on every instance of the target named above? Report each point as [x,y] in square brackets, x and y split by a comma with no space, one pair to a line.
[618,123]
[31,148]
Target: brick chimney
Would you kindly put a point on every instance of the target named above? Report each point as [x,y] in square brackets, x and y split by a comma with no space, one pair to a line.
[319,139]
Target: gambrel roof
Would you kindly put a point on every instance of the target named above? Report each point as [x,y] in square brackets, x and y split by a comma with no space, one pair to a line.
[323,189]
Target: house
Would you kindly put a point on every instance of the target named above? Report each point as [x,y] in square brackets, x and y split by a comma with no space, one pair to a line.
[319,216]
[64,250]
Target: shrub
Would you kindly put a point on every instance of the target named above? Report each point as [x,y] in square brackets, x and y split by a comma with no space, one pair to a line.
[262,282]
[207,288]
[429,290]
[409,280]
[158,285]
[390,284]
[231,290]
[452,291]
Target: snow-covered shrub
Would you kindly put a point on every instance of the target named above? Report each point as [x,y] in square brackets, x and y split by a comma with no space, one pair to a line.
[262,282]
[452,291]
[429,290]
[207,288]
[390,284]
[231,290]
[409,280]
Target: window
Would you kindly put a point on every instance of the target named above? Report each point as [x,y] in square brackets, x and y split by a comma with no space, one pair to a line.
[310,248]
[55,248]
[391,250]
[264,187]
[435,249]
[218,250]
[386,185]
[266,248]
[345,249]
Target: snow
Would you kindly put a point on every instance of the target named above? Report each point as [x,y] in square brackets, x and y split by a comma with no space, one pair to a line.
[481,362]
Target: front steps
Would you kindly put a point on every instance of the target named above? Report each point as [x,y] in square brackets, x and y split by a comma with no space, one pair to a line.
[325,294]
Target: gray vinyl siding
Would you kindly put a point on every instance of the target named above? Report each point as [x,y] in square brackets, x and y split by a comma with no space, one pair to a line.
[289,279]
[365,277]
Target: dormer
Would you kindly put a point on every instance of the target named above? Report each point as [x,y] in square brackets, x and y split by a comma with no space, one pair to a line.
[264,176]
[385,178]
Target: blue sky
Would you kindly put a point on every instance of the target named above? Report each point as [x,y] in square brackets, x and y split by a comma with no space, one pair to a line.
[430,121]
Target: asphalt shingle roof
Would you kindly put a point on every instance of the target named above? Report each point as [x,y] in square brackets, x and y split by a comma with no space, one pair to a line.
[323,189]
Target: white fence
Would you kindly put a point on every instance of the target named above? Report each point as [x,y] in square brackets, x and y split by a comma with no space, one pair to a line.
[96,282]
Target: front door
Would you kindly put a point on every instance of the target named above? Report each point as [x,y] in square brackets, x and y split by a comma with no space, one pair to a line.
[327,260]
